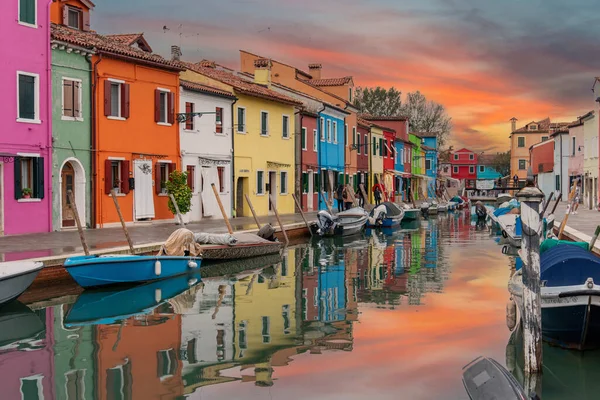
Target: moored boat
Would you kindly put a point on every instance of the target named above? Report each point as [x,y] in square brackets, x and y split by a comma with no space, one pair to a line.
[18,324]
[386,215]
[16,277]
[246,245]
[345,223]
[510,224]
[484,378]
[411,214]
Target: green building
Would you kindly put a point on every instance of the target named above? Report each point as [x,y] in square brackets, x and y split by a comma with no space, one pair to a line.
[71,134]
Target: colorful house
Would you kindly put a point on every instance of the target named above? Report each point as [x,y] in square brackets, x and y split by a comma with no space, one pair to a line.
[26,119]
[419,182]
[430,163]
[576,150]
[464,163]
[206,147]
[331,151]
[485,168]
[376,157]
[362,148]
[135,133]
[590,161]
[562,157]
[263,119]
[72,150]
[542,165]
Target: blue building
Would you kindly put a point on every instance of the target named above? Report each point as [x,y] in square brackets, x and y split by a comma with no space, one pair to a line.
[332,293]
[331,150]
[485,170]
[430,146]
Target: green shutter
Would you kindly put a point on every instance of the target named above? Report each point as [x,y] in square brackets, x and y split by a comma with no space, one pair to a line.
[27,11]
[17,178]
[317,182]
[374,146]
[380,147]
[303,138]
[304,182]
[26,97]
[38,177]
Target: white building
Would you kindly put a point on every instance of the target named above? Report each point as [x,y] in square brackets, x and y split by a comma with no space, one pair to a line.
[590,161]
[206,148]
[562,157]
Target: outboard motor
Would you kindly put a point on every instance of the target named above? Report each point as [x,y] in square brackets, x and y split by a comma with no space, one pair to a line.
[378,215]
[267,232]
[325,221]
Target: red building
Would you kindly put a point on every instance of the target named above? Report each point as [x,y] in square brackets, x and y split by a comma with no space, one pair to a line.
[464,166]
[309,161]
[542,157]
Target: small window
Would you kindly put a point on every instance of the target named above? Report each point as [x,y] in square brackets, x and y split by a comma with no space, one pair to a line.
[471,156]
[557,182]
[329,131]
[380,147]
[349,95]
[304,182]
[521,141]
[115,169]
[286,127]
[74,18]
[315,140]
[471,170]
[481,168]
[115,100]
[574,146]
[219,120]
[544,138]
[427,165]
[455,170]
[29,177]
[358,144]
[322,130]
[374,146]
[533,127]
[335,133]
[456,157]
[164,107]
[167,363]
[241,120]
[32,388]
[71,108]
[303,139]
[222,179]
[28,12]
[283,184]
[191,176]
[521,164]
[164,177]
[266,329]
[189,122]
[366,142]
[260,182]
[28,92]
[354,135]
[264,123]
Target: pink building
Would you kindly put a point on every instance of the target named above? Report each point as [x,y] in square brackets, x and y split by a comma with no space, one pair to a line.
[576,149]
[25,118]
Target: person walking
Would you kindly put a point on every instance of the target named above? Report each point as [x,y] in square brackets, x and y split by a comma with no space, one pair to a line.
[576,198]
[360,198]
[377,195]
[338,196]
[346,198]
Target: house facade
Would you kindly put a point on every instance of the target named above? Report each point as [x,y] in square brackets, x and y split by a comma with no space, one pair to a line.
[419,181]
[376,158]
[464,163]
[430,146]
[206,147]
[562,157]
[485,168]
[362,153]
[576,151]
[590,160]
[331,151]
[542,165]
[26,119]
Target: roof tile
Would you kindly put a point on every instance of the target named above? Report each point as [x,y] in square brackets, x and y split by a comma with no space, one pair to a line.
[197,87]
[331,81]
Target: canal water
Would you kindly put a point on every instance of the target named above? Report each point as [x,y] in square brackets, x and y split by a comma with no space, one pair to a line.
[389,315]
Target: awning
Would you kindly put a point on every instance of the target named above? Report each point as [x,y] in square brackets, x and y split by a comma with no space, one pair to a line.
[206,161]
[423,176]
[399,173]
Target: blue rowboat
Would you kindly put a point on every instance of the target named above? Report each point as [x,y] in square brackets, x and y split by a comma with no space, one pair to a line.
[94,270]
[108,306]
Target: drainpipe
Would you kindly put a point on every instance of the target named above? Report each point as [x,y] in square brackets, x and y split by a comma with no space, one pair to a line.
[48,172]
[95,203]
[233,187]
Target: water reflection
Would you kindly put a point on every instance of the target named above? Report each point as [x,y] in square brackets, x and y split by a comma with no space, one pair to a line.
[351,300]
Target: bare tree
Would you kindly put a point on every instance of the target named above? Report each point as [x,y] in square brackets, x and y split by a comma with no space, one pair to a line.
[427,116]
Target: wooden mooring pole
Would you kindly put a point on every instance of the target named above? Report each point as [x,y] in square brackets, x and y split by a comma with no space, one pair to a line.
[114,197]
[547,204]
[78,222]
[229,228]
[302,213]
[287,240]
[252,211]
[179,216]
[530,198]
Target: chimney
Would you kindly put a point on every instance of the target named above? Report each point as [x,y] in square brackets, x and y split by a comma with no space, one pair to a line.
[262,72]
[513,124]
[176,53]
[315,70]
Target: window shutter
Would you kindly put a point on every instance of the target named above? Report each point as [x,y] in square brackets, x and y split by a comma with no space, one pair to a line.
[125,176]
[17,179]
[107,110]
[86,21]
[171,108]
[157,178]
[107,176]
[172,168]
[125,100]
[188,120]
[156,105]
[67,98]
[38,177]
[76,99]
[65,15]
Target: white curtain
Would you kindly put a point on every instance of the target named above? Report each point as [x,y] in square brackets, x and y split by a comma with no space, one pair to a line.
[209,202]
[143,192]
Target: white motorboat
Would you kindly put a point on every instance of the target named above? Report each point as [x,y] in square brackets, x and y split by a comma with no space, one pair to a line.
[16,277]
[508,225]
[345,223]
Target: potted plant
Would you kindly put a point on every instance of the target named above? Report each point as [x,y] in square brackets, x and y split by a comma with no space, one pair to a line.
[163,187]
[117,185]
[27,192]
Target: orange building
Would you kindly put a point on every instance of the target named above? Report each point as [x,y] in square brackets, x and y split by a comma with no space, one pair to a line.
[140,358]
[135,133]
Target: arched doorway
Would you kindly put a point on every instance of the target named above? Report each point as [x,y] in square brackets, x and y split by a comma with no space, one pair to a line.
[72,177]
[67,176]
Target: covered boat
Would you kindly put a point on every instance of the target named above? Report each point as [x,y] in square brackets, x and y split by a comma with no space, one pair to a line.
[386,215]
[570,296]
[18,324]
[16,277]
[345,223]
[237,246]
[485,379]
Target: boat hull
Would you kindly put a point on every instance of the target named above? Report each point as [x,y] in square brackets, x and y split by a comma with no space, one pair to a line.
[411,215]
[12,287]
[18,323]
[387,223]
[94,271]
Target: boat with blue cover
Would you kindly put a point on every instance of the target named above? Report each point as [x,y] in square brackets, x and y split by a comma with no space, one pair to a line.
[570,296]
[94,270]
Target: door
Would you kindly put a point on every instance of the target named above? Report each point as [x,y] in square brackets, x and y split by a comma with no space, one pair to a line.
[272,189]
[309,196]
[143,194]
[67,176]
[239,197]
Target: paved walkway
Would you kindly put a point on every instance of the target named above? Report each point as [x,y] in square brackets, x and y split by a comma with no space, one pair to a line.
[40,245]
[584,221]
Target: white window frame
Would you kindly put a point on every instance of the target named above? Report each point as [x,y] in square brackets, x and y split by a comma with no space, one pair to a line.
[39,378]
[283,136]
[455,157]
[120,83]
[471,156]
[524,165]
[455,169]
[315,140]
[322,129]
[35,25]
[335,132]
[237,127]
[263,191]
[328,131]
[281,173]
[261,124]
[471,169]
[36,102]
[304,133]
[166,92]
[62,95]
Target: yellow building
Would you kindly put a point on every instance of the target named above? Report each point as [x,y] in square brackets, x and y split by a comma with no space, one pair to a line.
[263,142]
[375,158]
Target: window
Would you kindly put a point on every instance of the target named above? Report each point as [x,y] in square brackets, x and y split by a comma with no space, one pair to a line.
[315,140]
[266,328]
[328,131]
[164,177]
[303,139]
[29,177]
[521,141]
[380,147]
[428,165]
[385,148]
[28,12]
[119,382]
[349,95]
[557,182]
[219,120]
[346,142]
[189,122]
[28,91]
[74,18]
[116,100]
[374,146]
[544,138]
[75,385]
[482,169]
[471,156]
[354,135]
[574,147]
[471,170]
[358,144]
[286,127]
[31,388]
[71,101]
[335,133]
[456,157]
[264,123]
[191,176]
[241,120]
[166,363]
[116,175]
[322,130]
[164,107]
[285,309]
[521,164]
[455,170]
[533,127]
[283,184]
[260,182]
[304,182]
[366,143]
[163,104]
[222,180]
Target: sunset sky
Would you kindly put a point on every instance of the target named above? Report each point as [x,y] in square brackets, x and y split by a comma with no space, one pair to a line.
[486,61]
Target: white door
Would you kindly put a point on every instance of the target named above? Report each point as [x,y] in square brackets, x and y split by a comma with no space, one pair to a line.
[309,195]
[210,176]
[143,194]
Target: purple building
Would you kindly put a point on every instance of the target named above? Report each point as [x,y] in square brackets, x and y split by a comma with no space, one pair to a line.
[25,118]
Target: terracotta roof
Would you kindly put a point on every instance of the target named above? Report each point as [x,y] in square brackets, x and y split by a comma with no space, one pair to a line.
[424,134]
[371,120]
[363,122]
[306,74]
[380,118]
[427,148]
[315,66]
[543,126]
[239,84]
[486,159]
[127,38]
[109,45]
[197,87]
[299,93]
[332,81]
